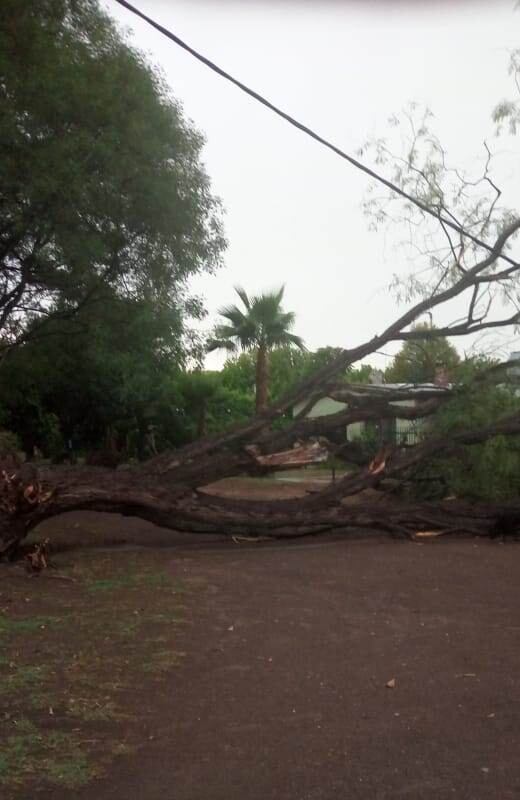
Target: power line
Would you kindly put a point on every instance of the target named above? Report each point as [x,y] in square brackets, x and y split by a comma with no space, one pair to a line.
[292,121]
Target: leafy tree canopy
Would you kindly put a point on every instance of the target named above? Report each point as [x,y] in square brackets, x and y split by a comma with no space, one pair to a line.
[262,326]
[101,182]
[97,380]
[288,367]
[417,361]
[490,470]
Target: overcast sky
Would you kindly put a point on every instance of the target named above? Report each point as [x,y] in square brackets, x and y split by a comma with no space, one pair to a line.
[293,209]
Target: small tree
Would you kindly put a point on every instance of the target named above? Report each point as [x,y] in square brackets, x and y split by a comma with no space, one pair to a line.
[489,470]
[260,328]
[198,390]
[417,361]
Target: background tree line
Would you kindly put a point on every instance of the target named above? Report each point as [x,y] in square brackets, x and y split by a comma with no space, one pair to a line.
[114,386]
[106,212]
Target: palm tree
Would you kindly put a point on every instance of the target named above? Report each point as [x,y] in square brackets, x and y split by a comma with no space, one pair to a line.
[262,326]
[198,390]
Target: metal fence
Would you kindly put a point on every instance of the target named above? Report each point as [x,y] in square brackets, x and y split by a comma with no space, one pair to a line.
[406,434]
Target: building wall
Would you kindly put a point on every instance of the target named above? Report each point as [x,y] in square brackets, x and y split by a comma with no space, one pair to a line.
[321,408]
[405,429]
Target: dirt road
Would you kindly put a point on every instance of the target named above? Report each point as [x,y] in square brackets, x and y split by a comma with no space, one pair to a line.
[282,694]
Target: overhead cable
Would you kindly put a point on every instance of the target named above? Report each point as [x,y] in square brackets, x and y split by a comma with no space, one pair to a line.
[436,214]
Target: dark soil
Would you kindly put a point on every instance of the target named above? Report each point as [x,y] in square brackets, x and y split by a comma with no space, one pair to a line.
[76,642]
[283,690]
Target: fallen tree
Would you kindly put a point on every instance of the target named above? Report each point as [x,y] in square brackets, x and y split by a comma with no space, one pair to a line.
[169,489]
[166,493]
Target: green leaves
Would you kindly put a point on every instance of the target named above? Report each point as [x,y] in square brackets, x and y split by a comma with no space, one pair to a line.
[418,360]
[106,374]
[262,327]
[508,111]
[101,181]
[488,471]
[263,324]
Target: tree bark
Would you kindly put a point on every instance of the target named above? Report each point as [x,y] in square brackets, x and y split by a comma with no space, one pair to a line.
[168,489]
[262,379]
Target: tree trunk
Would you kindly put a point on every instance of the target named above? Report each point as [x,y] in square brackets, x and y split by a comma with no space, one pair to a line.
[142,429]
[202,420]
[168,490]
[262,379]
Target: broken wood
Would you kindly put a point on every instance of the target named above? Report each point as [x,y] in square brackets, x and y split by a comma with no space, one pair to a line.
[302,455]
[37,559]
[168,489]
[168,492]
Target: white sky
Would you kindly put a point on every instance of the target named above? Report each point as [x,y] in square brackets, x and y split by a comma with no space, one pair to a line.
[293,209]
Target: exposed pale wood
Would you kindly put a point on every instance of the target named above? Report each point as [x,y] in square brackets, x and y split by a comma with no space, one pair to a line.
[166,490]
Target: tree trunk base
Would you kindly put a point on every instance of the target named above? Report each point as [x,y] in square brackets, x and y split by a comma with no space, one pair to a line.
[162,491]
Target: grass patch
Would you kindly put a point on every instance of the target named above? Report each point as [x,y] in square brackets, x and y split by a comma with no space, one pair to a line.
[92,710]
[23,677]
[29,753]
[132,580]
[68,673]
[28,625]
[22,686]
[163,661]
